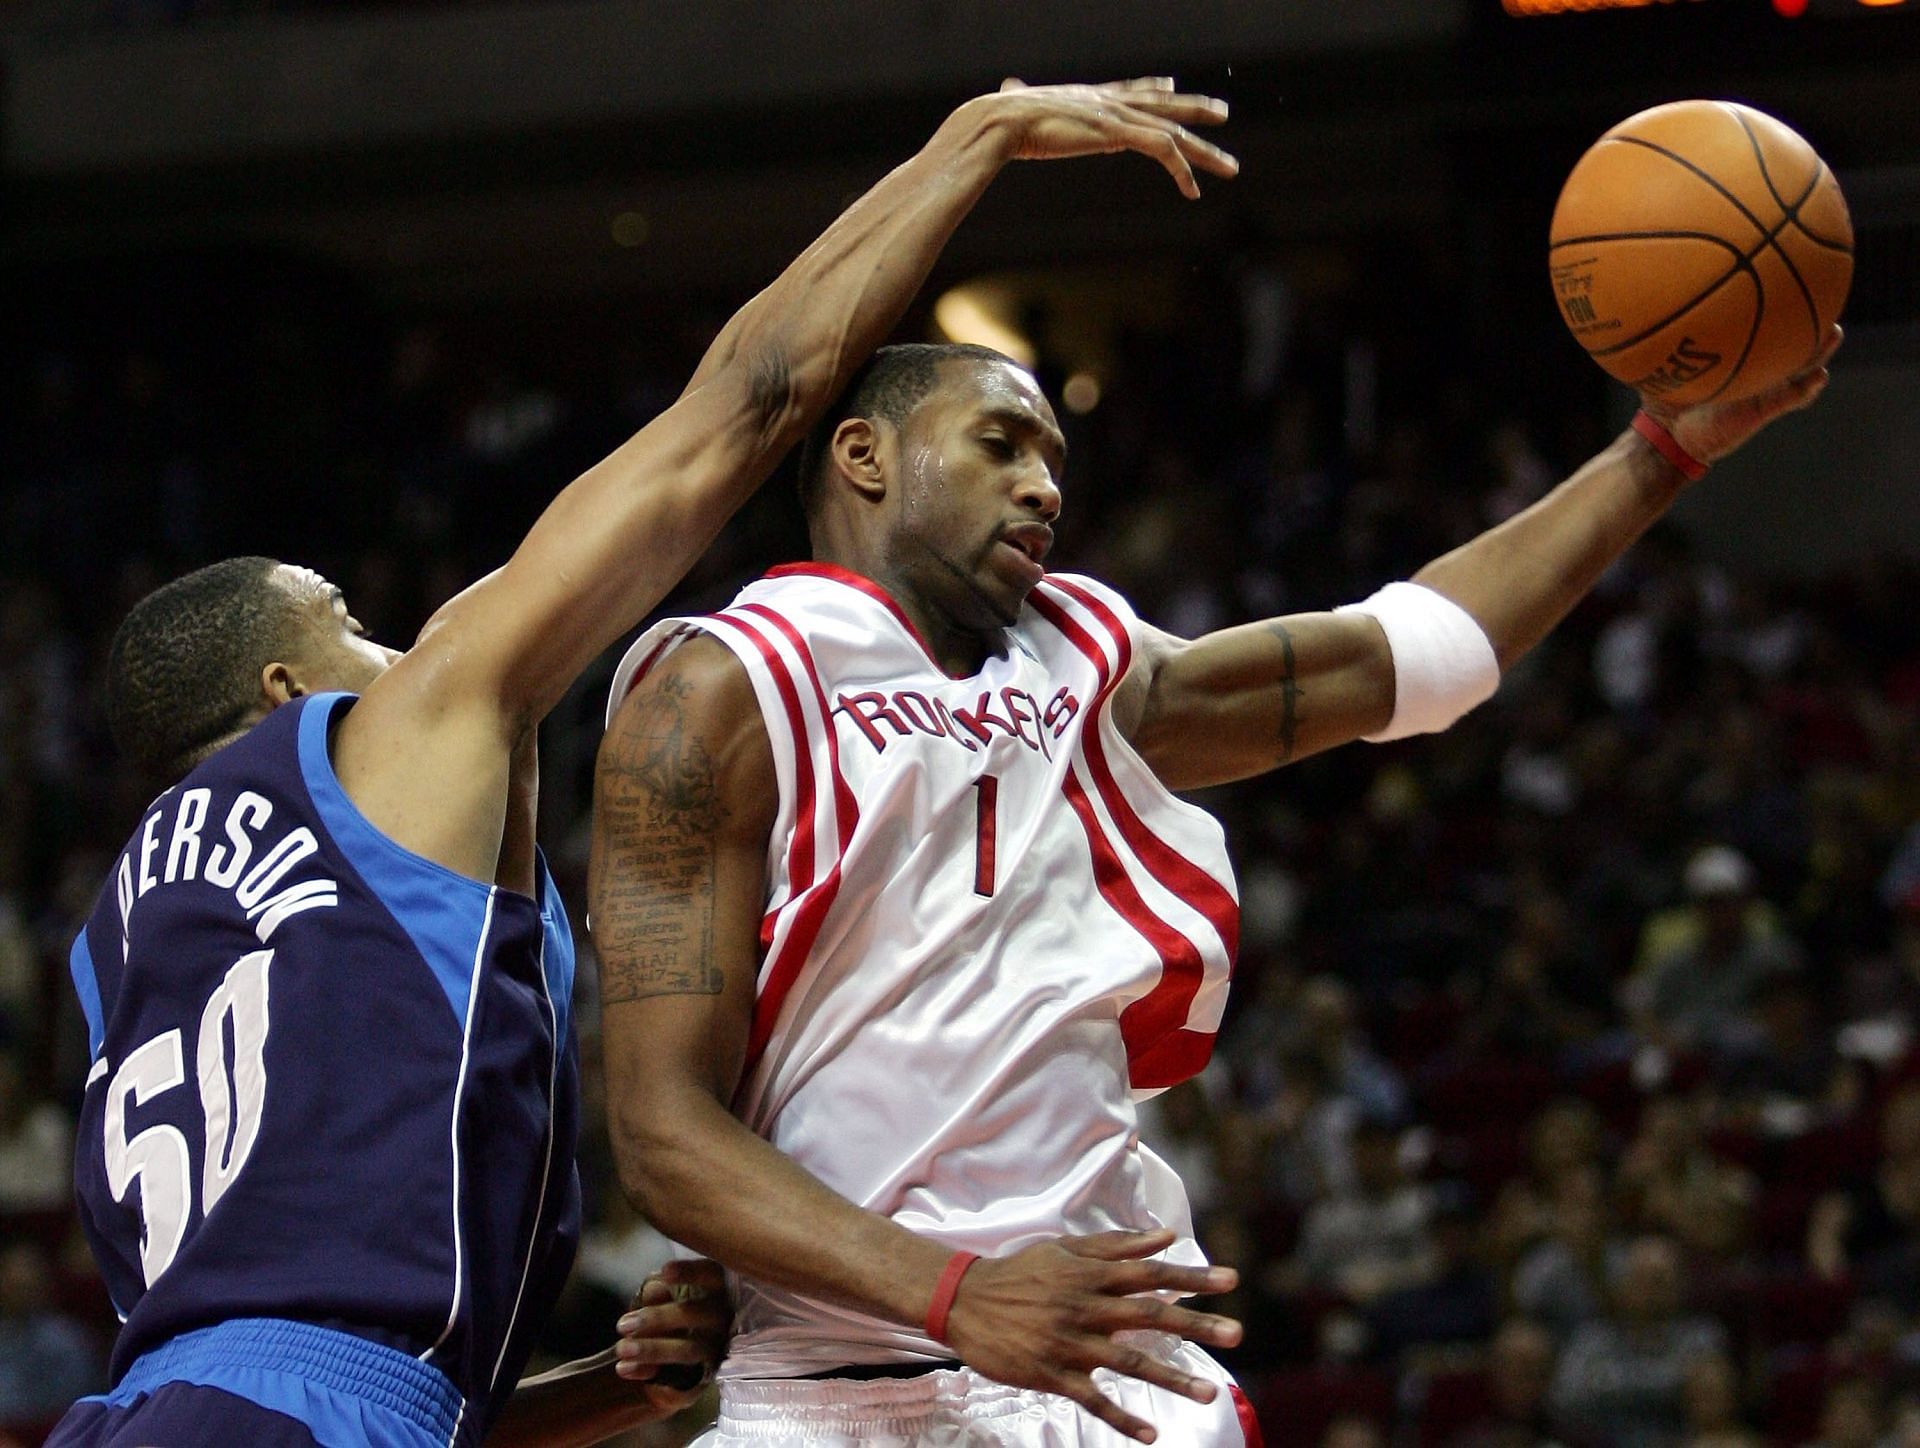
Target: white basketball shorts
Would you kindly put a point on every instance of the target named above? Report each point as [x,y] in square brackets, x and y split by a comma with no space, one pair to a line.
[958,1408]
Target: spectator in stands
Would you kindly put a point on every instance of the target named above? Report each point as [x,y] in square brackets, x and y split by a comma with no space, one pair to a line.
[1458,1302]
[1563,1141]
[1622,1378]
[1697,986]
[1519,1372]
[1883,986]
[47,1359]
[19,966]
[1903,1427]
[1871,1228]
[1712,1394]
[1852,1414]
[1321,1024]
[36,1145]
[1349,1430]
[1671,1184]
[1375,1238]
[1545,994]
[1562,1282]
[1794,1077]
[1308,1131]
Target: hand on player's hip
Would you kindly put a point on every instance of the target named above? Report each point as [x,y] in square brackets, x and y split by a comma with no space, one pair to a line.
[1049,1315]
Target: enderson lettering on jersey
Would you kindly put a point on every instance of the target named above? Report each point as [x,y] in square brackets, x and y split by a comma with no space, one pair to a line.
[233,857]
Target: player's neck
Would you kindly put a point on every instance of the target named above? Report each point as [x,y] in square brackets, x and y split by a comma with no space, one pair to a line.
[958,648]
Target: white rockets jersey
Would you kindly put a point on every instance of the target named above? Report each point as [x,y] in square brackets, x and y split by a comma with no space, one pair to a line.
[989,931]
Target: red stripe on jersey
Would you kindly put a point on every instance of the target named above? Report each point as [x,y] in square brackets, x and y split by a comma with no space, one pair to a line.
[845,811]
[800,872]
[806,903]
[1160,1050]
[874,591]
[640,672]
[1076,635]
[1171,868]
[1249,1424]
[811,912]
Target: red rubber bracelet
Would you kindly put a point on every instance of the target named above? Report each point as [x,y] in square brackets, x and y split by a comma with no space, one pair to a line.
[1661,441]
[946,1291]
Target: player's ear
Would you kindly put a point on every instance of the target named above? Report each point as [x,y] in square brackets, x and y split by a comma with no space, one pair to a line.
[856,457]
[278,684]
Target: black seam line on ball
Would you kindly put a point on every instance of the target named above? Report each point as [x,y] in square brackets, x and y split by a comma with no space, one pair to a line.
[1791,213]
[1741,263]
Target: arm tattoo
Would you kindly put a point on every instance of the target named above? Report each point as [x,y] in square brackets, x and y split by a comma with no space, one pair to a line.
[770,387]
[659,809]
[1290,692]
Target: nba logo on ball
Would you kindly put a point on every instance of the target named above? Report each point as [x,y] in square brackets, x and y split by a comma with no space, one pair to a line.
[1700,251]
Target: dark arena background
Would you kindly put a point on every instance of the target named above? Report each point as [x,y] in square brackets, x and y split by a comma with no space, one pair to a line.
[1571,1089]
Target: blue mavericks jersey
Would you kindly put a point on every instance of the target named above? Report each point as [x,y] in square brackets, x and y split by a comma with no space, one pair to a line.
[332,1081]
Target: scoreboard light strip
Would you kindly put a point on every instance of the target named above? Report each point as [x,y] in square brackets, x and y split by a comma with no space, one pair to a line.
[1791,9]
[1570,7]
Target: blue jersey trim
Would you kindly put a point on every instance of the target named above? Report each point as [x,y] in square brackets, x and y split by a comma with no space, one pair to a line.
[86,985]
[442,910]
[349,1391]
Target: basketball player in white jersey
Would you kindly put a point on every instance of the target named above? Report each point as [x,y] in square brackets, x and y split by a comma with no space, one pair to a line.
[898,916]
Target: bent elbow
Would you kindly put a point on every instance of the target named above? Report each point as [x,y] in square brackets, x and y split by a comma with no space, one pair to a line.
[655,1165]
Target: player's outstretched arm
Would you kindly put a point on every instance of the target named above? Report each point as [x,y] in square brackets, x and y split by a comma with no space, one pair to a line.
[684,802]
[680,1318]
[424,753]
[1247,699]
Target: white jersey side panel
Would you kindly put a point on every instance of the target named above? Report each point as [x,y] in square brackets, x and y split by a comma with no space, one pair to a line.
[989,930]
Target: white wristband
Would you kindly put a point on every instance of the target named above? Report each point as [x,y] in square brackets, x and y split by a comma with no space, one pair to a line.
[1443,664]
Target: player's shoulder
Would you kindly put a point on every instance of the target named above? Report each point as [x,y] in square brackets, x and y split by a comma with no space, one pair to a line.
[1085,593]
[698,674]
[692,720]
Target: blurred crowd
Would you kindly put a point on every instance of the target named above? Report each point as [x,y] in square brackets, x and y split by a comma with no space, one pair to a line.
[1571,1090]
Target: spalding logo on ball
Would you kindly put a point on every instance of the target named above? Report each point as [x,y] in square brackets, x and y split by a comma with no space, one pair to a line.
[1700,251]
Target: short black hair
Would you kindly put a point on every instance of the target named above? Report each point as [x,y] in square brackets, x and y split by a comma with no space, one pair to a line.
[889,386]
[183,670]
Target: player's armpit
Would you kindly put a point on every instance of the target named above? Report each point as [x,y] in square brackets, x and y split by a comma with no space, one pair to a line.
[1245,700]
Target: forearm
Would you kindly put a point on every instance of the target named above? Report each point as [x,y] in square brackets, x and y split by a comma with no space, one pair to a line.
[707,1181]
[1520,579]
[575,1404]
[612,543]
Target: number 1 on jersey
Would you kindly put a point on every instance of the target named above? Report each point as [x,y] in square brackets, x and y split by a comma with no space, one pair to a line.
[983,867]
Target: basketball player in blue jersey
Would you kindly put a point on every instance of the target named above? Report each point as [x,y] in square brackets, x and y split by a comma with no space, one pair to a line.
[325,1158]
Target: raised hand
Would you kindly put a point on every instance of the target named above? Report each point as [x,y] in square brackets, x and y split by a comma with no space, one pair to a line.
[676,1333]
[1054,122]
[1713,429]
[1046,1317]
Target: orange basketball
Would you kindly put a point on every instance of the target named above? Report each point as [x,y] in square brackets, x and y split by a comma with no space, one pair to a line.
[1700,250]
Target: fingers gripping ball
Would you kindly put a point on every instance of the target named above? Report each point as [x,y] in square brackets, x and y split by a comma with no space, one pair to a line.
[1700,251]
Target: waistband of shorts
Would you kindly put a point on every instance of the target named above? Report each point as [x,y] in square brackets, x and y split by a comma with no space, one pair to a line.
[774,1408]
[867,1372]
[380,1376]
